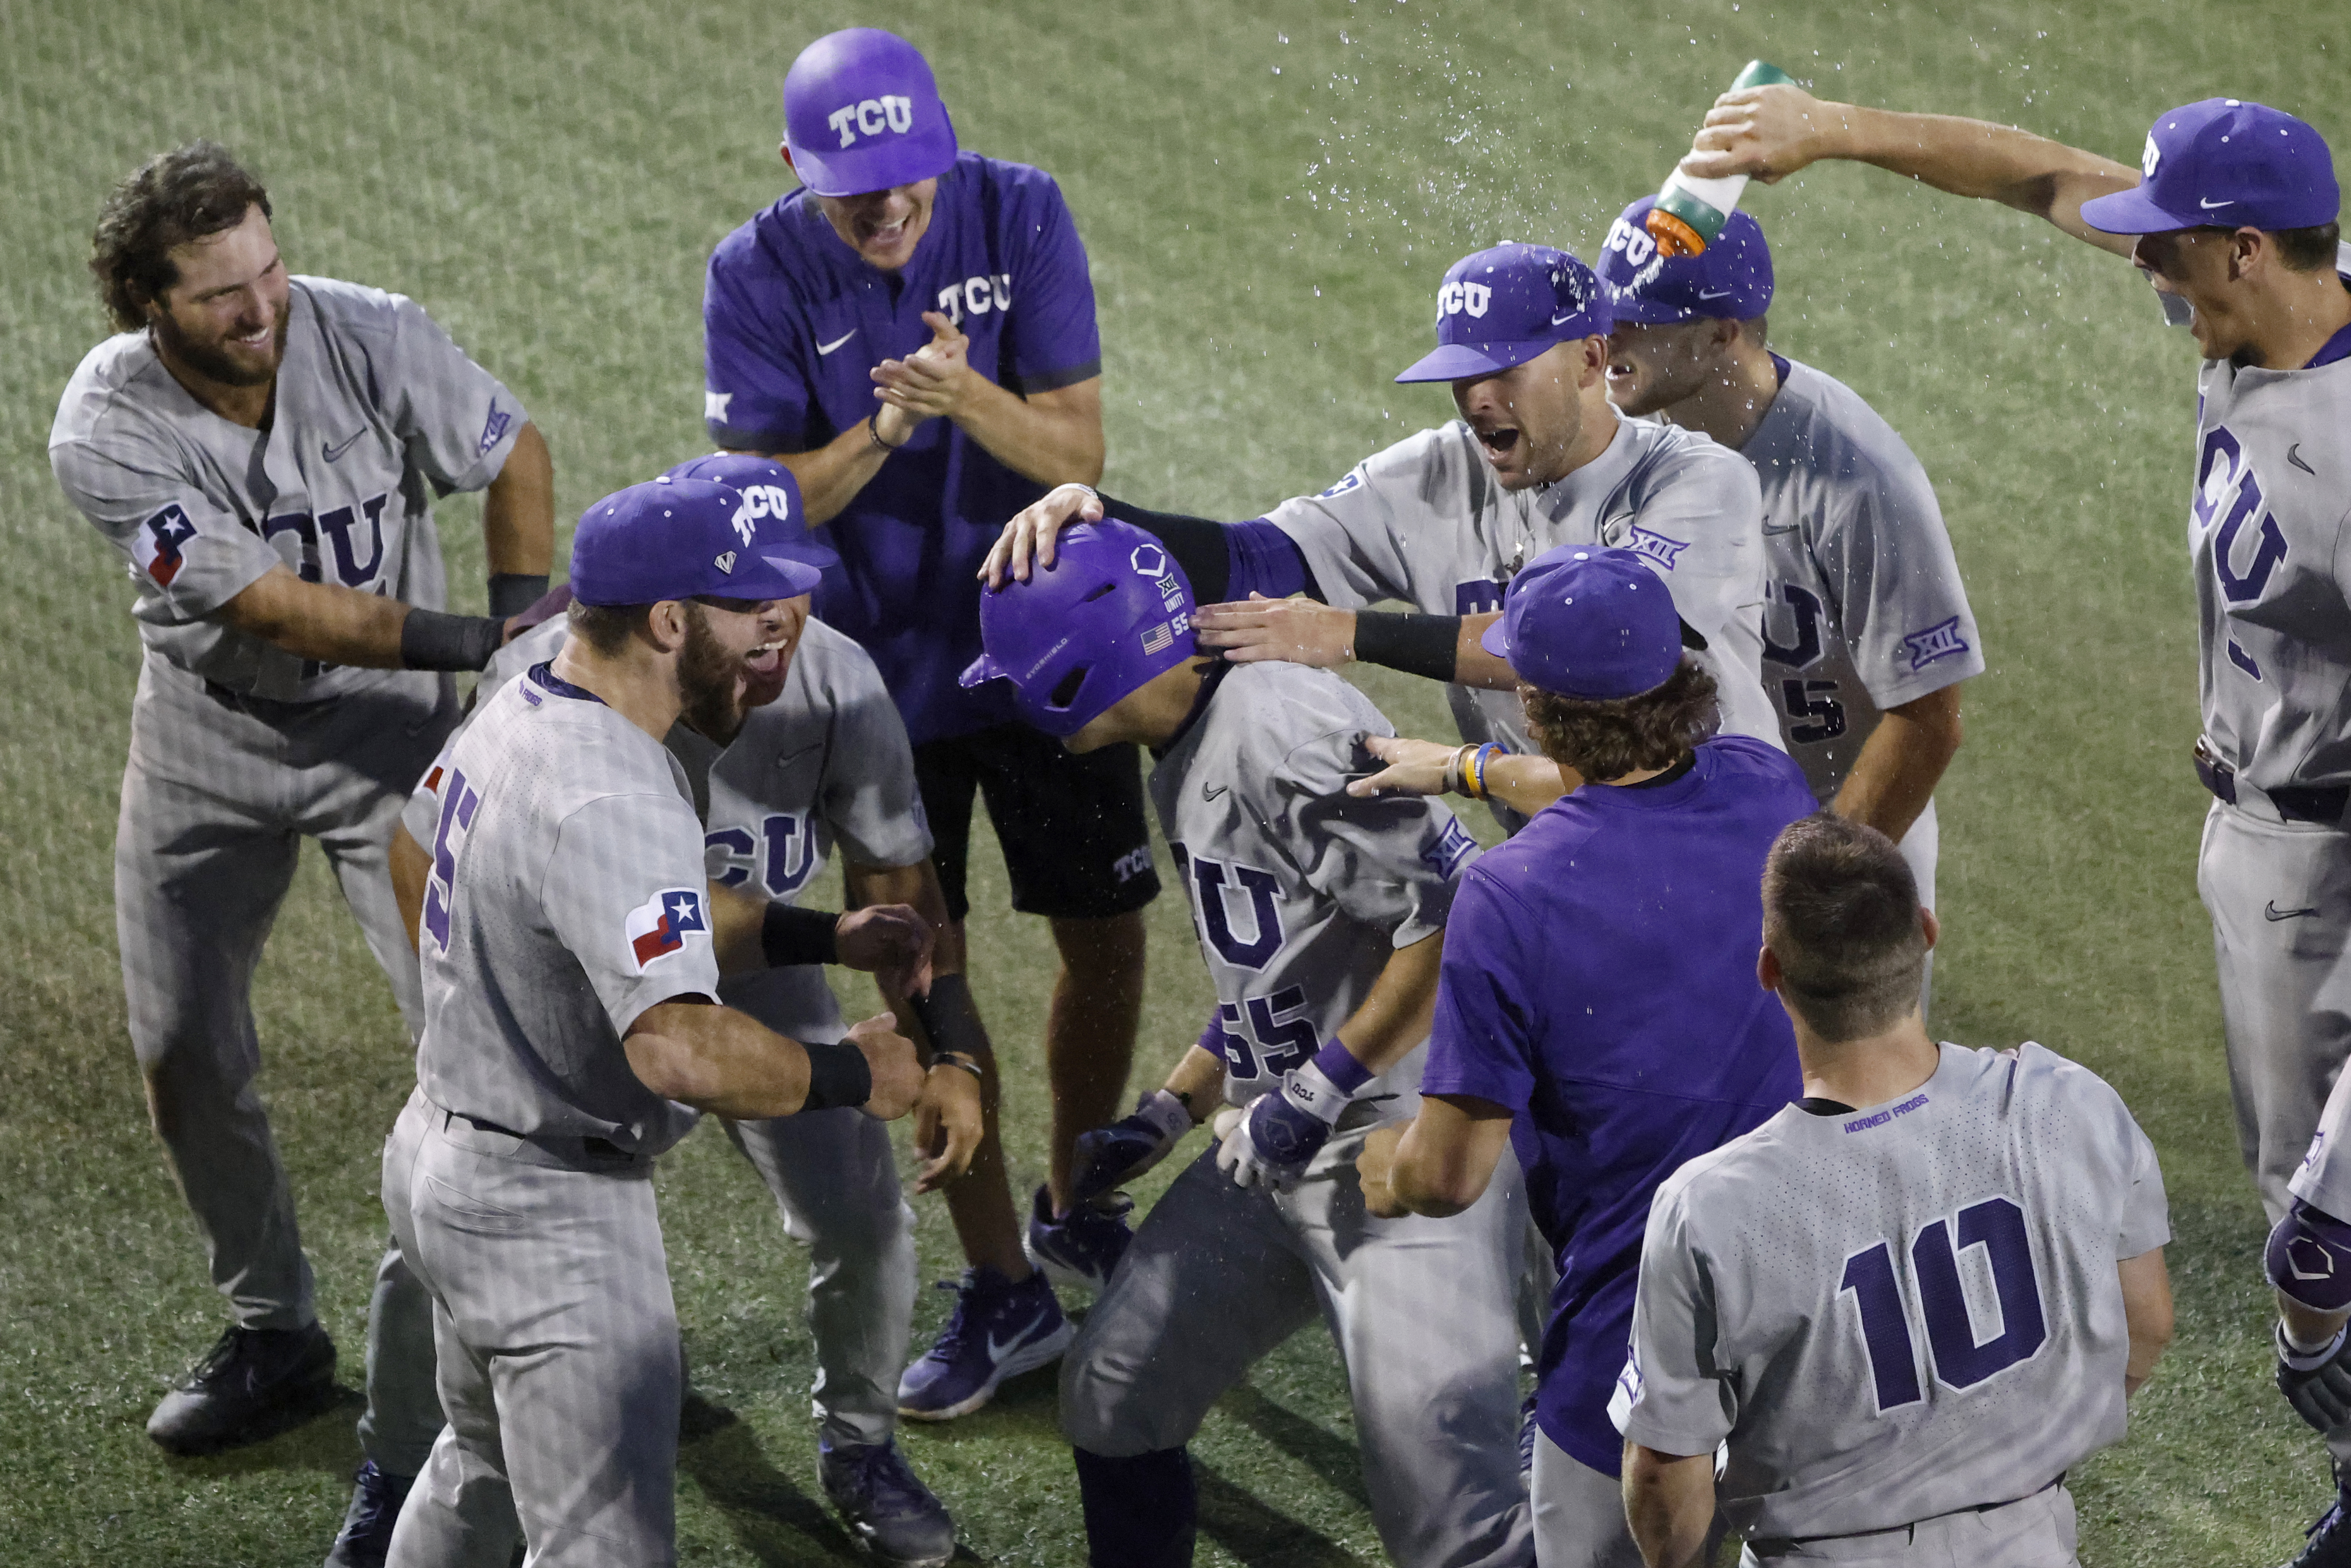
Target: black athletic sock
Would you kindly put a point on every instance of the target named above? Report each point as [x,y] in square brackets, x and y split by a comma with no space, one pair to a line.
[1141,1512]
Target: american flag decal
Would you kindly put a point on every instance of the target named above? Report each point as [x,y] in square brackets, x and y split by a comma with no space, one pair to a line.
[1155,639]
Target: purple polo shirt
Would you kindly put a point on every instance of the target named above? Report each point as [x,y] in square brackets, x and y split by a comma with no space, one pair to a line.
[794,322]
[1599,981]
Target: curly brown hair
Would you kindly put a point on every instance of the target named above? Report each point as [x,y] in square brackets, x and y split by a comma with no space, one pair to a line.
[1604,741]
[1841,914]
[168,200]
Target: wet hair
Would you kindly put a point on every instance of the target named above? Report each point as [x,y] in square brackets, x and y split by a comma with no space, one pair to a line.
[172,198]
[607,628]
[1841,914]
[2307,250]
[1604,740]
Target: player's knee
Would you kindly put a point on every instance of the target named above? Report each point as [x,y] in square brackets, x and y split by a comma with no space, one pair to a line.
[1107,1408]
[2309,1259]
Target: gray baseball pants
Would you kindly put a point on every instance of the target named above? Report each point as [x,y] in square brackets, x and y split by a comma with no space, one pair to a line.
[556,1342]
[2036,1532]
[218,796]
[1579,1513]
[1421,1310]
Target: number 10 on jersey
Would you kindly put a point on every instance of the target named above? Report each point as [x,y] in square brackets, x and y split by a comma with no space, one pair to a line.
[1996,1225]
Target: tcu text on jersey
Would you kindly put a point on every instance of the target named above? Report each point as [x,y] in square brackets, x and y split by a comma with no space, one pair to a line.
[782,853]
[976,296]
[2226,488]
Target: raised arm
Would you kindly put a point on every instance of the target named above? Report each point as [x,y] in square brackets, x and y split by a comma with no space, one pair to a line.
[1770,132]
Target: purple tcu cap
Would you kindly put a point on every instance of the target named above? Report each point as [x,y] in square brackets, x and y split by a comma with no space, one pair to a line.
[2226,163]
[863,113]
[1503,306]
[772,491]
[1593,624]
[1111,612]
[676,539]
[1730,280]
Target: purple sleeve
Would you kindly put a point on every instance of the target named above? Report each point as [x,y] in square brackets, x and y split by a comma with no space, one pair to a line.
[1483,1041]
[1052,340]
[1261,559]
[755,396]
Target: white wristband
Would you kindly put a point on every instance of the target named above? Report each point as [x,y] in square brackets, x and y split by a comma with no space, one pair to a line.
[2300,1359]
[1310,1090]
[1168,1116]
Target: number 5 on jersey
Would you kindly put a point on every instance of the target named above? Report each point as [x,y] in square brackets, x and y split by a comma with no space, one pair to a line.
[1960,1360]
[459,802]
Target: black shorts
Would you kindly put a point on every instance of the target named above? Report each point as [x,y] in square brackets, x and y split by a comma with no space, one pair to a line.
[1075,841]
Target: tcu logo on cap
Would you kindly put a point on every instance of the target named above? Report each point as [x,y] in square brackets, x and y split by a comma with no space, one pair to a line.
[1633,244]
[1455,298]
[2149,157]
[872,116]
[761,501]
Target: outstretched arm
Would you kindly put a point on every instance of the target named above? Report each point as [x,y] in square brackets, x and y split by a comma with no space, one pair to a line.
[1770,133]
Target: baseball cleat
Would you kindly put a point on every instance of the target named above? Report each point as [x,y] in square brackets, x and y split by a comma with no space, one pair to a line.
[1079,1251]
[253,1384]
[2328,1543]
[886,1504]
[366,1540]
[997,1329]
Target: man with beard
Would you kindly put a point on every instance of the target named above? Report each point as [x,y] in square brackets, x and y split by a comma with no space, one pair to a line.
[263,450]
[571,957]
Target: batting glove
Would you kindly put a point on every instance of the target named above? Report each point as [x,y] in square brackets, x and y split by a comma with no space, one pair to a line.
[2318,1385]
[1281,1134]
[1111,1156]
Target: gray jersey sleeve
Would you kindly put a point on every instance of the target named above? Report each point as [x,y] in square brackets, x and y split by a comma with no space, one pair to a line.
[624,891]
[188,553]
[868,795]
[1887,558]
[1389,860]
[459,421]
[1673,1395]
[1698,517]
[1363,537]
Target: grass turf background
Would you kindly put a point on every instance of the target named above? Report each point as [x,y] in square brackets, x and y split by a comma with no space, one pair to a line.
[1268,193]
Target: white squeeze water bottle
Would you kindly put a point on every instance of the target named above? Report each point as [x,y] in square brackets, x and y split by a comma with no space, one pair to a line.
[1690,212]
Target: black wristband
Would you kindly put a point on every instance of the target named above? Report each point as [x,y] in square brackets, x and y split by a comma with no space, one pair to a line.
[512,592]
[789,935]
[1417,645]
[432,641]
[948,1017]
[838,1076]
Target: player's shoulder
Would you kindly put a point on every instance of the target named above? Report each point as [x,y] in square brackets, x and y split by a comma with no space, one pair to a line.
[1745,760]
[975,174]
[1292,727]
[2030,1075]
[343,308]
[1696,1192]
[119,382]
[1668,457]
[1830,429]
[562,747]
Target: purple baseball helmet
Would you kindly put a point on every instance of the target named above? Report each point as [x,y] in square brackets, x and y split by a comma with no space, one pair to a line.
[1111,612]
[861,112]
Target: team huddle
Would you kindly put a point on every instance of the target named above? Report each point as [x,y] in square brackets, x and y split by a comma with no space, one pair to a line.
[1642,1097]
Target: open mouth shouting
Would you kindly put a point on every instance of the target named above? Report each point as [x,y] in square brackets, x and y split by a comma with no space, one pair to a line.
[1499,442]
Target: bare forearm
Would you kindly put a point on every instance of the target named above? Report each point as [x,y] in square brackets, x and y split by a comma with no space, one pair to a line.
[1396,1014]
[2147,1314]
[518,511]
[1473,666]
[1527,783]
[831,476]
[1978,159]
[1669,1503]
[322,621]
[1901,762]
[1054,438]
[717,1059]
[1197,1079]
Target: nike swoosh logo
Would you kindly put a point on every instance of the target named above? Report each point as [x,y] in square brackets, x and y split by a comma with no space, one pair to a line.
[1209,792]
[2207,207]
[1563,320]
[1783,528]
[828,348]
[1717,294]
[339,448]
[996,1347]
[2272,912]
[2293,456]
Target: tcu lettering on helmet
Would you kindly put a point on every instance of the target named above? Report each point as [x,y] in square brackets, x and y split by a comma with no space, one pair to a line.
[1460,298]
[871,117]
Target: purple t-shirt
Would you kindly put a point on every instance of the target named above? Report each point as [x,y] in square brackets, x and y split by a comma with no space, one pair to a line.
[1599,981]
[794,321]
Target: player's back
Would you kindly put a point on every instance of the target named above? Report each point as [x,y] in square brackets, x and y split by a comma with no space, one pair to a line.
[535,949]
[1914,1308]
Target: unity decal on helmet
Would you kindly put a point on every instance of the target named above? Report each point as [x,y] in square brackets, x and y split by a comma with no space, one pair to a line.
[893,113]
[1150,562]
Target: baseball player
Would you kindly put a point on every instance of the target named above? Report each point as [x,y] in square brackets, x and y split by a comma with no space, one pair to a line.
[2231,217]
[1444,519]
[1321,919]
[262,449]
[571,956]
[1595,1011]
[912,333]
[1906,1304]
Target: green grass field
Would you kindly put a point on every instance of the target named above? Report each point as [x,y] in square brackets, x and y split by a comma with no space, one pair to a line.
[1269,193]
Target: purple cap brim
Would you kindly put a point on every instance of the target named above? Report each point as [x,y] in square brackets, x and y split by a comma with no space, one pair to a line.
[773,577]
[1468,361]
[1496,641]
[1648,313]
[2134,212]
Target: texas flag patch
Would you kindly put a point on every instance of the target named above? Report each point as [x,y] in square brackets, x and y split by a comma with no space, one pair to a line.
[155,546]
[660,925]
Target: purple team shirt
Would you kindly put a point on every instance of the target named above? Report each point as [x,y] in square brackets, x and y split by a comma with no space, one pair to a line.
[793,321]
[1599,981]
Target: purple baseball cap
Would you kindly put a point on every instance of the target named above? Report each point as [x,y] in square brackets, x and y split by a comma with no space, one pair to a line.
[677,538]
[1111,612]
[1730,279]
[772,491]
[1589,622]
[2222,162]
[863,113]
[1503,306]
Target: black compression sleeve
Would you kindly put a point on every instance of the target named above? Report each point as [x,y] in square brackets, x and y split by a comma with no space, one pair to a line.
[512,592]
[838,1076]
[951,1021]
[1197,545]
[789,935]
[1417,645]
[432,641]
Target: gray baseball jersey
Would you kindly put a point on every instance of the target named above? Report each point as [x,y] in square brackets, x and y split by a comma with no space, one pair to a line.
[826,762]
[1864,609]
[565,897]
[1425,522]
[535,646]
[1299,890]
[1901,1312]
[377,412]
